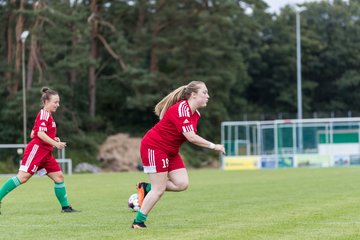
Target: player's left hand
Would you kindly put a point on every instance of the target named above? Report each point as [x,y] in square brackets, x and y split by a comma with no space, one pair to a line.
[60,145]
[57,139]
[220,148]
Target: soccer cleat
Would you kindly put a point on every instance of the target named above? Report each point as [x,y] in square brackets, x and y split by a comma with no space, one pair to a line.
[141,191]
[68,209]
[137,225]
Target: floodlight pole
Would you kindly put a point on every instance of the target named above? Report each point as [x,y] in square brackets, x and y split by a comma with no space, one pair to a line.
[299,79]
[298,56]
[23,37]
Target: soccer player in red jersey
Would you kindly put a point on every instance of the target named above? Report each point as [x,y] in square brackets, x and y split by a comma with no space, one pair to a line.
[179,116]
[37,156]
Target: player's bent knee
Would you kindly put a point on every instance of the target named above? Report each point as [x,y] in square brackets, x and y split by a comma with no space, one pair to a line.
[59,178]
[23,179]
[183,186]
[180,186]
[23,176]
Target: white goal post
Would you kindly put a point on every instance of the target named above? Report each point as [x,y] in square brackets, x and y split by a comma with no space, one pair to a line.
[65,163]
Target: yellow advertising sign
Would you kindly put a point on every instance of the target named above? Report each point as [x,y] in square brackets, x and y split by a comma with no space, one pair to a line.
[241,162]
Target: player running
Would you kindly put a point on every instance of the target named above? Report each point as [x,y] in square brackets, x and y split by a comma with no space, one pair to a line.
[37,156]
[179,116]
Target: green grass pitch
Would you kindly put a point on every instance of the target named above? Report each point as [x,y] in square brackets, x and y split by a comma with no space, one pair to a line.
[261,204]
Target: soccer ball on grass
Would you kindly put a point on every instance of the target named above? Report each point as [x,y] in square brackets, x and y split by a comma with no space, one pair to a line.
[133,202]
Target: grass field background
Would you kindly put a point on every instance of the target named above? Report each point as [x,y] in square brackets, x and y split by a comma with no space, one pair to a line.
[260,204]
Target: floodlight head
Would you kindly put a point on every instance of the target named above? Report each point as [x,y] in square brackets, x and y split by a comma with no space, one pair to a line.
[298,8]
[24,35]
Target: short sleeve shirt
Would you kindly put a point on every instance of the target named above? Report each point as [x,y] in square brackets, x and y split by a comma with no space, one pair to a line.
[167,134]
[44,122]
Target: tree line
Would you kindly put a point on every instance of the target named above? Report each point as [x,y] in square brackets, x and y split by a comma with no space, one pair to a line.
[112,61]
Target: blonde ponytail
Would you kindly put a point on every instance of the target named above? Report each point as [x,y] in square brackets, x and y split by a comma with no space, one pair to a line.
[168,101]
[181,93]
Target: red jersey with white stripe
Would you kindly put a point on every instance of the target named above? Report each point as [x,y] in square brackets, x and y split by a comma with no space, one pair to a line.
[44,122]
[167,134]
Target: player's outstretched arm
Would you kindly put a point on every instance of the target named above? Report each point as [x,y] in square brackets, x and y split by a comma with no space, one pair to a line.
[202,142]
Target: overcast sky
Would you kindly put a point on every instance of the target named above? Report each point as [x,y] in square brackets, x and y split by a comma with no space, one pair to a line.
[275,5]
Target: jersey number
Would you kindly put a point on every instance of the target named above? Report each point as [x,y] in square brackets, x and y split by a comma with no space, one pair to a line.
[165,162]
[34,169]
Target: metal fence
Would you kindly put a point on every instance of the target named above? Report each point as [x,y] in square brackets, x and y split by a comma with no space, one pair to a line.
[290,142]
